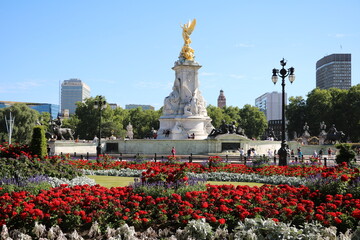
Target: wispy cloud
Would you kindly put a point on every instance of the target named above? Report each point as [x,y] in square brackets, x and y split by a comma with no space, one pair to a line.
[106,81]
[207,74]
[27,85]
[154,85]
[339,35]
[244,45]
[236,76]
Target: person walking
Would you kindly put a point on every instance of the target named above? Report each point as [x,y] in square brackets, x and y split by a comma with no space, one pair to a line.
[329,152]
[173,151]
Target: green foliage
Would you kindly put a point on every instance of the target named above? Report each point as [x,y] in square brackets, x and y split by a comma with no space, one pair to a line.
[346,154]
[333,106]
[25,167]
[25,120]
[216,114]
[295,114]
[250,118]
[113,121]
[253,121]
[38,145]
[32,188]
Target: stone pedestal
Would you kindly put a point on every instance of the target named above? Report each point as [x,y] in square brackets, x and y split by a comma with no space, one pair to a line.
[184,111]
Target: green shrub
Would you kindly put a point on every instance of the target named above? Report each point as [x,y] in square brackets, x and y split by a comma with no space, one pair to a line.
[346,154]
[25,167]
[32,188]
[38,144]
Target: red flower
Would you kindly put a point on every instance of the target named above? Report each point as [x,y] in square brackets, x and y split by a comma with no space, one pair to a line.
[356,213]
[222,221]
[337,220]
[344,178]
[204,205]
[319,217]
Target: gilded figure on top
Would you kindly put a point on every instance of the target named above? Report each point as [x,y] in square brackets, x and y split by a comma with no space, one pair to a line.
[187,52]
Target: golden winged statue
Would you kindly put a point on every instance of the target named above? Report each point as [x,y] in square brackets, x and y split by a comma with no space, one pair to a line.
[187,52]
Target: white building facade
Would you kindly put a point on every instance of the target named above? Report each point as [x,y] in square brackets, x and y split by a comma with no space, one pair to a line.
[72,91]
[270,104]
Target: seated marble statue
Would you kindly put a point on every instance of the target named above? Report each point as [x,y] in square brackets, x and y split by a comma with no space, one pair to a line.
[171,102]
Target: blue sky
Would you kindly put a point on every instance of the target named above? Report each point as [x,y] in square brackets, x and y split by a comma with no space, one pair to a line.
[125,50]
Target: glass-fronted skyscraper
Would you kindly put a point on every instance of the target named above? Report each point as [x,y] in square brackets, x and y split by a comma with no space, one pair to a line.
[72,91]
[53,109]
[334,71]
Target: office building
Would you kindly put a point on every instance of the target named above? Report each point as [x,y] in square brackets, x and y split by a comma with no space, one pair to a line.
[221,102]
[72,91]
[53,109]
[270,104]
[334,71]
[144,107]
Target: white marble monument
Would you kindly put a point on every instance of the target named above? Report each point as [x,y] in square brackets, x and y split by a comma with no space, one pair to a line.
[184,112]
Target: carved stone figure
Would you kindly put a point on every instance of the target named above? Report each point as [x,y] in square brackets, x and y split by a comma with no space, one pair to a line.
[171,102]
[306,130]
[322,134]
[187,52]
[129,131]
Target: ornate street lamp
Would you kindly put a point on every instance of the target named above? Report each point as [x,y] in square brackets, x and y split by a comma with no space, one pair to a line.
[99,104]
[283,73]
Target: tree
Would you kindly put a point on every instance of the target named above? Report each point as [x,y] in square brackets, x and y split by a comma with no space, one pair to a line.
[318,109]
[296,116]
[352,113]
[253,121]
[216,115]
[143,120]
[38,145]
[25,120]
[88,118]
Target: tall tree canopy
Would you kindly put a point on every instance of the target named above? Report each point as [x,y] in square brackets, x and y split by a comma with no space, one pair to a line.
[25,120]
[333,106]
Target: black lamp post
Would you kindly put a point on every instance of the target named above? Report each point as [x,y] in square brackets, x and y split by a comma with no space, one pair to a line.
[99,104]
[283,73]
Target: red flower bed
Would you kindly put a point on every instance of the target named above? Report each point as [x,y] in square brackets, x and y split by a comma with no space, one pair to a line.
[291,171]
[79,206]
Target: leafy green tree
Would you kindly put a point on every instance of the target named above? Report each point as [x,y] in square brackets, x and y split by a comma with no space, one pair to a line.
[142,121]
[231,114]
[38,145]
[88,119]
[253,121]
[296,116]
[351,115]
[45,120]
[216,115]
[318,109]
[25,120]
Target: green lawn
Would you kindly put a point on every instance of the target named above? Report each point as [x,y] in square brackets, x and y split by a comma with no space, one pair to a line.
[111,181]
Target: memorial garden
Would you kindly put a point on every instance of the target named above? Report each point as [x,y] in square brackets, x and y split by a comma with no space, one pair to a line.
[46,195]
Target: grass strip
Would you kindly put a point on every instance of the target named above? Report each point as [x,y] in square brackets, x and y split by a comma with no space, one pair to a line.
[113,181]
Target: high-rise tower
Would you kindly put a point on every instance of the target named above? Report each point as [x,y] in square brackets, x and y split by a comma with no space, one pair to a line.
[334,71]
[72,91]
